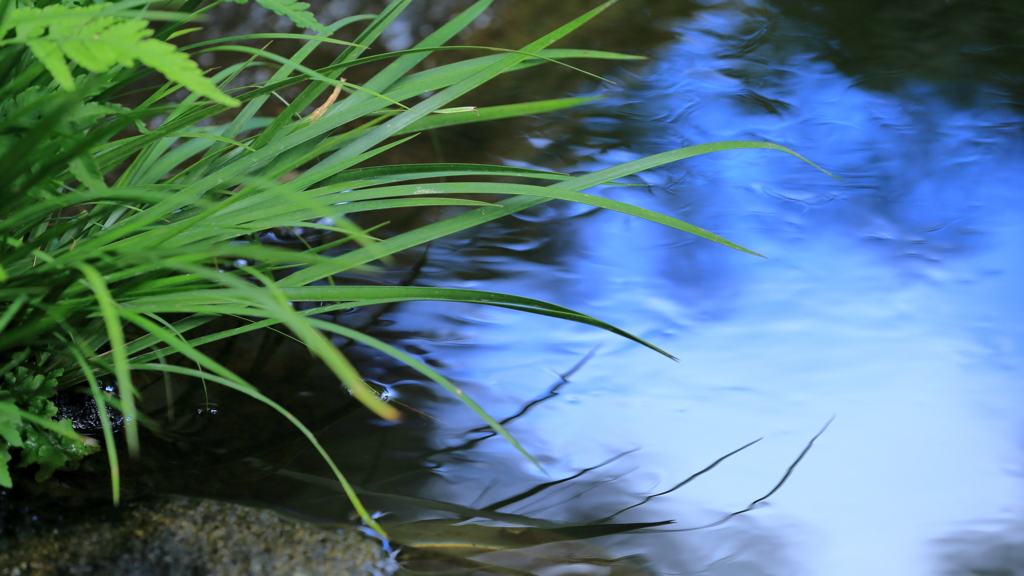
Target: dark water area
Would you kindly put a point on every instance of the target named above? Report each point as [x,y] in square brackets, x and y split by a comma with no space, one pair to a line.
[889,300]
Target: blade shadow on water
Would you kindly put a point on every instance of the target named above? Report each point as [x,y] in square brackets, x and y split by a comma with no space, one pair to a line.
[457,508]
[486,433]
[512,543]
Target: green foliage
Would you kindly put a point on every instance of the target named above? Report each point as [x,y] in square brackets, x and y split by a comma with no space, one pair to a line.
[116,246]
[97,42]
[297,12]
[25,413]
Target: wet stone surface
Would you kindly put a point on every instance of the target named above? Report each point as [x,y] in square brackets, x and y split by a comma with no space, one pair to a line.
[81,410]
[194,537]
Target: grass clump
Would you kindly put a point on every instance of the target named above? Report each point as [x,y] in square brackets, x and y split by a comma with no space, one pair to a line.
[119,239]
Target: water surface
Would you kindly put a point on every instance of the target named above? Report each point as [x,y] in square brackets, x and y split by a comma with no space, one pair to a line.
[889,299]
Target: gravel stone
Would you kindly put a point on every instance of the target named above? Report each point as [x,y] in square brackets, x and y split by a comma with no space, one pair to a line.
[195,537]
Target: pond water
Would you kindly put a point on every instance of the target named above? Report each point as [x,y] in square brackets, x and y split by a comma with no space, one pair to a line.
[889,300]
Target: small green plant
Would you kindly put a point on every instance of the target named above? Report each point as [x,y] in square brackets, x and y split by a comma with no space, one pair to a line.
[26,422]
[114,249]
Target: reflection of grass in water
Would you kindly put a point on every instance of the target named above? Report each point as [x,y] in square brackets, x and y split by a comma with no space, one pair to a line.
[118,249]
[507,533]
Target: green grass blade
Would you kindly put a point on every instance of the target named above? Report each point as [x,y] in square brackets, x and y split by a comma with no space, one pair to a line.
[271,36]
[311,93]
[430,373]
[209,300]
[378,84]
[370,205]
[115,334]
[229,379]
[317,343]
[513,205]
[256,102]
[449,94]
[108,432]
[495,113]
[363,177]
[11,310]
[550,192]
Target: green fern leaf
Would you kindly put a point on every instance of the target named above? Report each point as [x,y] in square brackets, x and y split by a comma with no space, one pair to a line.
[177,67]
[49,53]
[101,43]
[32,22]
[52,451]
[297,12]
[28,393]
[9,422]
[5,472]
[98,43]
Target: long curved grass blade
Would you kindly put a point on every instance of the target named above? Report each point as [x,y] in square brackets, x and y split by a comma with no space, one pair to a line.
[550,192]
[270,303]
[115,333]
[540,56]
[227,141]
[307,71]
[108,433]
[369,205]
[225,377]
[402,88]
[449,94]
[376,175]
[207,300]
[252,392]
[317,343]
[366,38]
[450,74]
[271,36]
[11,310]
[255,101]
[496,113]
[430,373]
[511,206]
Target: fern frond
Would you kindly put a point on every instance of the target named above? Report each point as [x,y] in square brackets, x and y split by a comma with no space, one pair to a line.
[97,43]
[297,12]
[32,22]
[51,56]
